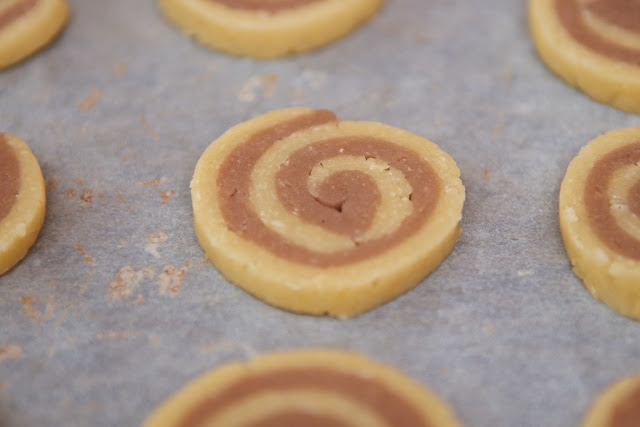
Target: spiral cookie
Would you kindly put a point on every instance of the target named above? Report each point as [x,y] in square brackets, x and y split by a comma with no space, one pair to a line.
[267,29]
[27,26]
[22,200]
[322,216]
[592,44]
[600,218]
[306,388]
[618,406]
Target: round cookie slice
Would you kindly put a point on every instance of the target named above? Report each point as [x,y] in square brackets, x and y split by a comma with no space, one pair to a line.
[27,26]
[600,218]
[322,216]
[267,28]
[313,388]
[22,200]
[618,406]
[593,45]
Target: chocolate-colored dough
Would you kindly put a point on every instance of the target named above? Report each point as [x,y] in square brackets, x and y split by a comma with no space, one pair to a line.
[622,13]
[234,181]
[627,412]
[300,419]
[9,177]
[372,394]
[271,6]
[16,11]
[596,201]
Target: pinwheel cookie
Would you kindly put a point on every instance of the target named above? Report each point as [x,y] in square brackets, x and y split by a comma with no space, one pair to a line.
[322,216]
[593,45]
[267,29]
[22,200]
[27,26]
[306,388]
[600,218]
[618,406]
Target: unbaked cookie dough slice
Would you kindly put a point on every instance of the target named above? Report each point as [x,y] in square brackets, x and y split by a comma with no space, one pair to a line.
[618,406]
[313,388]
[600,218]
[322,216]
[27,26]
[593,45]
[267,29]
[22,200]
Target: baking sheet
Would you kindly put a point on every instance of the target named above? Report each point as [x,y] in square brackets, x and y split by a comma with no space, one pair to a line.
[115,308]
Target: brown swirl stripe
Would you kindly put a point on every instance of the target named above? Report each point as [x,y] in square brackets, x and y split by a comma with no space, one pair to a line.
[621,13]
[627,412]
[597,201]
[348,211]
[262,5]
[9,177]
[369,392]
[13,13]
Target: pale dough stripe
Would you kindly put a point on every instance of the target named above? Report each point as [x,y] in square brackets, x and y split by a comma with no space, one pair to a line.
[611,33]
[394,189]
[619,187]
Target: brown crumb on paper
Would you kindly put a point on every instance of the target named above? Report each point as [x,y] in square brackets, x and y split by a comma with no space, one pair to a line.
[91,101]
[166,196]
[267,83]
[154,240]
[72,193]
[497,130]
[171,278]
[51,183]
[485,174]
[30,311]
[87,197]
[126,282]
[87,257]
[10,352]
[154,182]
[147,126]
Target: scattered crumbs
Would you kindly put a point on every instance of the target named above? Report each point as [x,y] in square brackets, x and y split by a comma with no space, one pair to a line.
[523,273]
[87,197]
[126,281]
[121,198]
[166,196]
[10,352]
[139,300]
[100,196]
[30,311]
[171,278]
[153,241]
[79,181]
[51,183]
[125,159]
[87,258]
[147,126]
[203,261]
[157,181]
[91,101]
[485,174]
[117,335]
[119,69]
[265,82]
[155,340]
[497,130]
[123,244]
[72,193]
